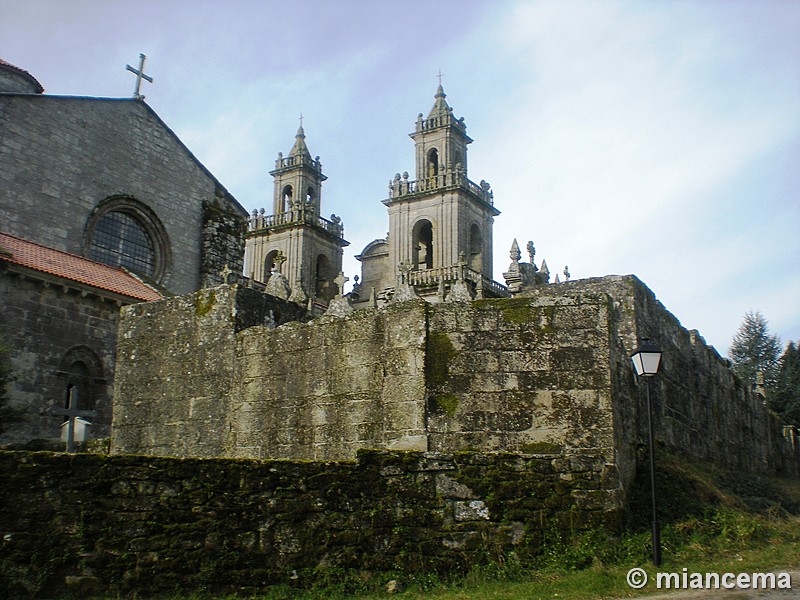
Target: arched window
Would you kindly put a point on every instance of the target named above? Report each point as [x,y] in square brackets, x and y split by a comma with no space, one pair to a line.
[310,195]
[81,368]
[287,198]
[323,289]
[422,247]
[475,248]
[269,264]
[433,163]
[123,232]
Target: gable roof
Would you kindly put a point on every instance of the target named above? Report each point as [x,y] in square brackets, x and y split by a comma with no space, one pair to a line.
[17,251]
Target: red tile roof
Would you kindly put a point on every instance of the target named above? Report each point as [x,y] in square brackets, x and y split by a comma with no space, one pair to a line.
[74,268]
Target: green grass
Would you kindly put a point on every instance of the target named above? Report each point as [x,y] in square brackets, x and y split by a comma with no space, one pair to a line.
[712,521]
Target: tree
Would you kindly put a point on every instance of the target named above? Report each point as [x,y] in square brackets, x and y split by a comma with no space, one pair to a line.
[784,396]
[753,349]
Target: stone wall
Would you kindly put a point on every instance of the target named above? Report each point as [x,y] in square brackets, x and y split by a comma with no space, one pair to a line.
[122,525]
[222,240]
[176,361]
[547,371]
[324,389]
[700,408]
[494,375]
[45,326]
[522,374]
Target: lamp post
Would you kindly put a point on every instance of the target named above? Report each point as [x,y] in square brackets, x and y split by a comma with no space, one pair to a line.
[646,361]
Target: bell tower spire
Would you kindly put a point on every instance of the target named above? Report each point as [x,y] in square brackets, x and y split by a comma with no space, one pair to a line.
[440,224]
[440,139]
[311,245]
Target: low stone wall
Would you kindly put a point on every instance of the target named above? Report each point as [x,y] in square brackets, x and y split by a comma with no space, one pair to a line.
[92,524]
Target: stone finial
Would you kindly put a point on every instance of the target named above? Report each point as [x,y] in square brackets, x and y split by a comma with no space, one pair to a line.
[515,254]
[462,259]
[558,279]
[355,292]
[542,275]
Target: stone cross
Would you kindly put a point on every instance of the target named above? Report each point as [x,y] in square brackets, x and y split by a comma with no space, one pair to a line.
[279,259]
[224,273]
[301,119]
[439,75]
[139,76]
[340,281]
[72,412]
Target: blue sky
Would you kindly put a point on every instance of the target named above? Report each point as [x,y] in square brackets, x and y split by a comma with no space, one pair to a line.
[659,138]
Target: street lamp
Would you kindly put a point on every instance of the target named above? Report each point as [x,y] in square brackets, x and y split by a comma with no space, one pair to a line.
[646,361]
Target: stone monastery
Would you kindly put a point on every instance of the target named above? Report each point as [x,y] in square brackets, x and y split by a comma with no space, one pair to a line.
[260,353]
[432,419]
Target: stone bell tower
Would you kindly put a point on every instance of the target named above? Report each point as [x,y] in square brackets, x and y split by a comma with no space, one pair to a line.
[440,224]
[295,240]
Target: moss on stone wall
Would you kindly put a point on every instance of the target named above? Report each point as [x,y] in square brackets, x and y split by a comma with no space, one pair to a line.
[448,403]
[204,301]
[439,353]
[84,525]
[542,448]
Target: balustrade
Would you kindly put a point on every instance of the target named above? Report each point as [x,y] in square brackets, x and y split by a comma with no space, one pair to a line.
[298,216]
[431,277]
[402,186]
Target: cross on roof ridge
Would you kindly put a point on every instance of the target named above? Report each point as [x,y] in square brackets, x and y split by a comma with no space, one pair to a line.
[139,76]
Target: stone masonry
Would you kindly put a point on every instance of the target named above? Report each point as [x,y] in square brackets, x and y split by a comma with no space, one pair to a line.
[546,372]
[156,527]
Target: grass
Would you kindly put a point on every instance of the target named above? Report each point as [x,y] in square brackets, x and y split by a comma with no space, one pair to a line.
[713,521]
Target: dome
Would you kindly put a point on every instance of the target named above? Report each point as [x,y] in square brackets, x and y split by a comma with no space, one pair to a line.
[18,81]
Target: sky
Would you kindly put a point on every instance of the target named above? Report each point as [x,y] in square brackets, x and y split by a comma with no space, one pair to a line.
[659,138]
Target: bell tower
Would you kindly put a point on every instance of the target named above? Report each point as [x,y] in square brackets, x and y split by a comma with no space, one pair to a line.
[440,224]
[295,240]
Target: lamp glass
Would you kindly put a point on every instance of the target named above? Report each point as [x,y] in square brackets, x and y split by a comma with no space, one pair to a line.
[646,360]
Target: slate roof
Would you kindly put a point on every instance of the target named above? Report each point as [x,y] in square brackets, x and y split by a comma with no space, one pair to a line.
[68,266]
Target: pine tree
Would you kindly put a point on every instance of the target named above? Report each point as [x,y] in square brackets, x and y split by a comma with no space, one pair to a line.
[784,396]
[753,349]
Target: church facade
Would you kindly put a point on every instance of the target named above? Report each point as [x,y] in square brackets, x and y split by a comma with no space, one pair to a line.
[95,182]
